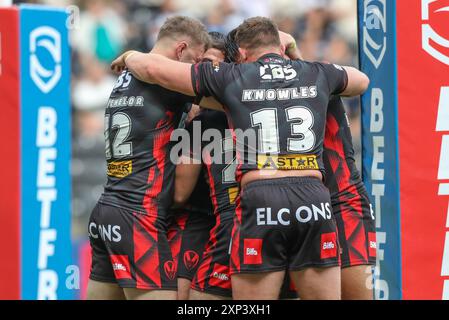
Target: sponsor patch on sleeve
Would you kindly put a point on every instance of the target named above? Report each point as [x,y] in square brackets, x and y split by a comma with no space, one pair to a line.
[120,169]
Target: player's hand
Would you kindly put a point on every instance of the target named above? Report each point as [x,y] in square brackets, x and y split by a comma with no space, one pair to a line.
[118,65]
[193,113]
[289,43]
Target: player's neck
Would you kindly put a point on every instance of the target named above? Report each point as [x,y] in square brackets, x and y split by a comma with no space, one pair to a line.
[164,51]
[256,55]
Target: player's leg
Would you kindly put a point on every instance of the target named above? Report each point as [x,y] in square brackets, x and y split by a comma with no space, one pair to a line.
[357,237]
[184,288]
[288,289]
[198,295]
[97,290]
[102,284]
[357,283]
[257,286]
[318,283]
[141,294]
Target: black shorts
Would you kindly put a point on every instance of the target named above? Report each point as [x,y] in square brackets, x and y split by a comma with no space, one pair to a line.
[356,226]
[192,241]
[284,224]
[213,275]
[130,249]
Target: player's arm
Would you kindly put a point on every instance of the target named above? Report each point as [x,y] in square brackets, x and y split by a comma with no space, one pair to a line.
[211,103]
[290,48]
[344,81]
[357,82]
[170,74]
[187,174]
[154,68]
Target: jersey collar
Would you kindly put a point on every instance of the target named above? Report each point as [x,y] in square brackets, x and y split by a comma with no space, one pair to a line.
[271,57]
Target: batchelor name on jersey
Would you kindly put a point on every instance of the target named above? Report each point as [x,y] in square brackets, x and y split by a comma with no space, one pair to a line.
[126,101]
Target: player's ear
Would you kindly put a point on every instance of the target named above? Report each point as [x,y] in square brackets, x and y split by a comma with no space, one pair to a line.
[180,47]
[243,55]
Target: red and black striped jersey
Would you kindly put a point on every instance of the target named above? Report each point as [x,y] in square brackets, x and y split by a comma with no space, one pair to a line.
[275,107]
[219,160]
[342,174]
[139,120]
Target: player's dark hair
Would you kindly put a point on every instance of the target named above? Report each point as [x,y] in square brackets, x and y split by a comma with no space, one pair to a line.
[232,48]
[257,32]
[179,26]
[217,41]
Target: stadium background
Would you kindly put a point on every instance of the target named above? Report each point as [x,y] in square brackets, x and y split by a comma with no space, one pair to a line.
[325,30]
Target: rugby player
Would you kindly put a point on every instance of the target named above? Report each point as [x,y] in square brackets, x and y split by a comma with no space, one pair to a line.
[196,217]
[284,219]
[351,206]
[212,282]
[131,257]
[350,202]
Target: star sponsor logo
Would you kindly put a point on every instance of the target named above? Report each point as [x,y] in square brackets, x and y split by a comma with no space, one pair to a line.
[120,169]
[287,162]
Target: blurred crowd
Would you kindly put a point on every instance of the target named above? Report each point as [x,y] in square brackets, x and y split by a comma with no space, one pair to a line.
[102,29]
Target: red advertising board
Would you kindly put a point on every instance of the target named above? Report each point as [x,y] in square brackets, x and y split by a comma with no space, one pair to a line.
[9,153]
[423,75]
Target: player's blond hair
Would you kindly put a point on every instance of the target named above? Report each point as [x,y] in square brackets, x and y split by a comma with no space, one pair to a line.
[181,26]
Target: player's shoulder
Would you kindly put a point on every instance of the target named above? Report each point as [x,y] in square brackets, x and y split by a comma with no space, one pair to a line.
[323,69]
[228,67]
[307,65]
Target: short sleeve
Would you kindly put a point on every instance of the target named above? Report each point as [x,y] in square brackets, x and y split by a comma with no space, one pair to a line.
[337,78]
[210,79]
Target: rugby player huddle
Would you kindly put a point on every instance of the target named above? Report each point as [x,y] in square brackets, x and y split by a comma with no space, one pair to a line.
[266,203]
